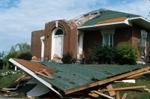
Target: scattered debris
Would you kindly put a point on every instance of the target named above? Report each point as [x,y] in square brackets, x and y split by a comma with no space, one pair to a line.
[71,78]
[128,81]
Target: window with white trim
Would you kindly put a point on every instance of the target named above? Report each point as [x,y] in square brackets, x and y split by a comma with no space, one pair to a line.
[108,39]
[143,42]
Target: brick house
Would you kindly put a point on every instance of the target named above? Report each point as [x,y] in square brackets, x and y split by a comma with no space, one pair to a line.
[77,36]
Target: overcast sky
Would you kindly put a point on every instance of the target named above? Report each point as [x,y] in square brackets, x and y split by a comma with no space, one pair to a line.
[18,18]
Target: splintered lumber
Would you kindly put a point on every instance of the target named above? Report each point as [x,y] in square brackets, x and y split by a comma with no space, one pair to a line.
[125,88]
[93,95]
[45,75]
[124,96]
[109,87]
[139,74]
[34,66]
[146,89]
[107,80]
[104,95]
[117,95]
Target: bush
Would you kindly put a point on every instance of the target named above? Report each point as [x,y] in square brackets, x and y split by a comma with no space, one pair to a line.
[126,54]
[101,54]
[123,54]
[25,56]
[67,59]
[1,64]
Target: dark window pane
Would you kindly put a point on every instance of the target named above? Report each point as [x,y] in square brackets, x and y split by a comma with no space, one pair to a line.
[59,32]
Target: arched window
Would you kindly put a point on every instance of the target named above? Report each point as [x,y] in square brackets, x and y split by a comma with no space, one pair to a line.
[59,31]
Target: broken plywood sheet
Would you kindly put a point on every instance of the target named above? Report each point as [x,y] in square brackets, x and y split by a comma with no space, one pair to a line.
[34,66]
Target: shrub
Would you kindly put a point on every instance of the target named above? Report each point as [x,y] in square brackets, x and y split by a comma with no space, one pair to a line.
[101,54]
[1,64]
[67,58]
[126,54]
[25,56]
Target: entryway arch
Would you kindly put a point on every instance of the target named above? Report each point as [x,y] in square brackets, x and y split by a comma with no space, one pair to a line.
[57,43]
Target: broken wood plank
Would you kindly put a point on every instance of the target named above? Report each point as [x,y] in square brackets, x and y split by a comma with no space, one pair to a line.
[111,93]
[124,88]
[124,96]
[139,74]
[44,75]
[34,66]
[93,95]
[104,95]
[107,80]
[117,95]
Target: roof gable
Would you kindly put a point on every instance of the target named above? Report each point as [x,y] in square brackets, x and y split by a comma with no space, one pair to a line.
[108,15]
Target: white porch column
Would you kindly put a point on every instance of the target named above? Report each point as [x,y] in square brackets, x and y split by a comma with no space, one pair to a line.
[42,48]
[80,44]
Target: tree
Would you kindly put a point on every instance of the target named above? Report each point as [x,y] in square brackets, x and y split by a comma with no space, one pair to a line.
[1,59]
[16,51]
[22,47]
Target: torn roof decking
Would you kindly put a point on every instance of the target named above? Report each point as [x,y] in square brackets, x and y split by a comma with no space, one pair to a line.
[76,77]
[71,78]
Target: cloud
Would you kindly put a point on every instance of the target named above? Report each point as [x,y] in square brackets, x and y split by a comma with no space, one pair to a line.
[20,17]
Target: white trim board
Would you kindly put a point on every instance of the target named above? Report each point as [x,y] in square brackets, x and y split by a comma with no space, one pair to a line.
[34,75]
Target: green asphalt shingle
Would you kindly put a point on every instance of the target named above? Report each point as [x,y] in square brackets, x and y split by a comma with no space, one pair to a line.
[108,14]
[74,75]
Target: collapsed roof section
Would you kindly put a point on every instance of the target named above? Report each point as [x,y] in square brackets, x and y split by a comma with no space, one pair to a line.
[71,78]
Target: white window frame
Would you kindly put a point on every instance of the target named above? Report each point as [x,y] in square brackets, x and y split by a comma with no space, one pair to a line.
[108,39]
[53,41]
[143,43]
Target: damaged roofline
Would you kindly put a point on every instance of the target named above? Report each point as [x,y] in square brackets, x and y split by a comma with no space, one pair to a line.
[146,20]
[34,75]
[105,24]
[127,22]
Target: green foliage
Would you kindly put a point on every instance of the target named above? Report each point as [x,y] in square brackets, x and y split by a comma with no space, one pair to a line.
[67,59]
[16,51]
[126,54]
[123,54]
[25,56]
[101,54]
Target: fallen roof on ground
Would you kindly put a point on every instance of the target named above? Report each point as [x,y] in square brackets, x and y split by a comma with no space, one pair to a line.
[70,78]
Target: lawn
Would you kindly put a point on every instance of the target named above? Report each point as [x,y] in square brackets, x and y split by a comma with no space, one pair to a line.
[8,77]
[136,94]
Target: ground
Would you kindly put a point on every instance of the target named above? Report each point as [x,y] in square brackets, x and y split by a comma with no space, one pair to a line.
[9,79]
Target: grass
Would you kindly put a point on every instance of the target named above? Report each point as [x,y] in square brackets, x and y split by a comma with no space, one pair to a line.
[8,80]
[136,94]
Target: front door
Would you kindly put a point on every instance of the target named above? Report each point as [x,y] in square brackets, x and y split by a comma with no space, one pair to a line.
[57,43]
[58,47]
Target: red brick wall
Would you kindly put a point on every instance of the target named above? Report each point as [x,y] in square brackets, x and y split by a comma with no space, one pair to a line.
[70,38]
[36,43]
[91,38]
[122,35]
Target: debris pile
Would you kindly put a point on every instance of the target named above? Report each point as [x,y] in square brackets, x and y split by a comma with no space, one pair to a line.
[95,80]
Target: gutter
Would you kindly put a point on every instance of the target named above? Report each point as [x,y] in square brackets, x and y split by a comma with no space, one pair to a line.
[35,76]
[130,19]
[42,47]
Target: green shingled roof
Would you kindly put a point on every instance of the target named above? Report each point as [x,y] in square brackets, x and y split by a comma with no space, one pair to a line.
[107,14]
[70,76]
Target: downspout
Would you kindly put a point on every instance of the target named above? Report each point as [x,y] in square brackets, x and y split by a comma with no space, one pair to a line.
[42,47]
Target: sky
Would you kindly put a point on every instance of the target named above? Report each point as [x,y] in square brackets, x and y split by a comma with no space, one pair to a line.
[18,18]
